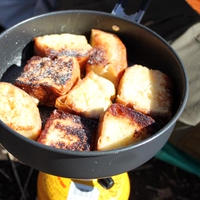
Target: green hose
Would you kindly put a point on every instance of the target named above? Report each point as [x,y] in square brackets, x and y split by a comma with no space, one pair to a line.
[170,154]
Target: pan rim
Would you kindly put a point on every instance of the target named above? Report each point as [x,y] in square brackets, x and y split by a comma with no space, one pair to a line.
[171,122]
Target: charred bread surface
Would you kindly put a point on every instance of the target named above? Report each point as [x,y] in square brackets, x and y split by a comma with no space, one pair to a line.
[53,79]
[146,90]
[63,44]
[121,126]
[47,79]
[19,111]
[108,58]
[68,131]
[90,97]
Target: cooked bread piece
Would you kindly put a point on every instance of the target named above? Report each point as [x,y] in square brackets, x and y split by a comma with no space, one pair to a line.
[63,44]
[89,97]
[19,111]
[146,90]
[108,58]
[121,126]
[48,79]
[67,131]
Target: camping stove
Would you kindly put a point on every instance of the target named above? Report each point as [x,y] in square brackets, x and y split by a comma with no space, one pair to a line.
[50,187]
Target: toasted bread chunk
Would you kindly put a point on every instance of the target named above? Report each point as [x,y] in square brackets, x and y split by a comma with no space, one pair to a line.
[108,58]
[146,90]
[67,131]
[63,44]
[89,97]
[19,111]
[121,126]
[48,79]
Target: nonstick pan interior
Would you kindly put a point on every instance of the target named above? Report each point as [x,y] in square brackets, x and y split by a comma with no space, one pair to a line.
[143,47]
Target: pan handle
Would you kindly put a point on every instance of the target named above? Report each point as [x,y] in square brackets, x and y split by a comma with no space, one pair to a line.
[118,10]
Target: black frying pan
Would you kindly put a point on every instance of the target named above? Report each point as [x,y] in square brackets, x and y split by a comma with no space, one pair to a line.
[143,46]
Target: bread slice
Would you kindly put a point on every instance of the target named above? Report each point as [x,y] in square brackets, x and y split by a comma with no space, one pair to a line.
[48,79]
[19,111]
[67,131]
[89,97]
[121,126]
[146,90]
[108,58]
[63,44]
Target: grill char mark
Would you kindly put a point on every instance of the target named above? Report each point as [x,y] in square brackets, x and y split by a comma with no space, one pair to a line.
[78,135]
[47,79]
[97,57]
[55,70]
[140,118]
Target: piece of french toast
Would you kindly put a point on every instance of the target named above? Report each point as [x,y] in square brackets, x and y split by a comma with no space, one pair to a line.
[121,126]
[19,111]
[63,44]
[90,97]
[68,131]
[108,58]
[146,90]
[47,79]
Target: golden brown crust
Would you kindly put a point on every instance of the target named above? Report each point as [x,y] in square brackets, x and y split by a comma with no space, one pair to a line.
[67,131]
[19,111]
[63,44]
[121,126]
[108,57]
[148,91]
[90,97]
[47,79]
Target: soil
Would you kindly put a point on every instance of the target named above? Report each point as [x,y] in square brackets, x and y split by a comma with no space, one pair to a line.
[157,180]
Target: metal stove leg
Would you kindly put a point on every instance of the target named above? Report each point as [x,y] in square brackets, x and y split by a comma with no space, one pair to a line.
[16,175]
[23,189]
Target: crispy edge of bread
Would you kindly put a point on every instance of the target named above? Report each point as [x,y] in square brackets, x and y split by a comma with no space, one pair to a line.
[165,99]
[71,132]
[64,45]
[108,57]
[136,126]
[68,101]
[10,109]
[45,92]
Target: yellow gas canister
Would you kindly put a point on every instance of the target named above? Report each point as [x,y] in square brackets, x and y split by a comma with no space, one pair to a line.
[51,187]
